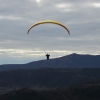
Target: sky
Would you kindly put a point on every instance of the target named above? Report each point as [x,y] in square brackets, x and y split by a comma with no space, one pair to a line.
[82,18]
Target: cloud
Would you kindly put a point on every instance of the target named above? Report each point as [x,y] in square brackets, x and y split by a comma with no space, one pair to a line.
[97,5]
[38,1]
[81,17]
[10,17]
[65,6]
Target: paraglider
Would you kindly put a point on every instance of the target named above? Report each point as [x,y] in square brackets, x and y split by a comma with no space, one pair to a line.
[48,21]
[51,22]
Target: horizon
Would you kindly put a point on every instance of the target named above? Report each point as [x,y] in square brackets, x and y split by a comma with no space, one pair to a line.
[31,60]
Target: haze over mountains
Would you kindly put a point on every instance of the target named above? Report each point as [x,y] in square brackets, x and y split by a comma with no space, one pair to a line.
[69,61]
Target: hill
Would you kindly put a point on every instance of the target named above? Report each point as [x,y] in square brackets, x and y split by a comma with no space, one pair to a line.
[48,77]
[69,61]
[85,92]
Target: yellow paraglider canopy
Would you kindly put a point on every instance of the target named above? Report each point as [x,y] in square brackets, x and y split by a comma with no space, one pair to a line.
[48,21]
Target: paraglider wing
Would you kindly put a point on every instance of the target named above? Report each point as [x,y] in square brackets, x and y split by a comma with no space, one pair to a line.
[48,21]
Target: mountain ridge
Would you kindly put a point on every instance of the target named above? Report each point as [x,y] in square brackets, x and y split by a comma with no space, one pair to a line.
[70,61]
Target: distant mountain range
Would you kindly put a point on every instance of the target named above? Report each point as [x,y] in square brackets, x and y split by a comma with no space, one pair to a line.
[69,61]
[70,70]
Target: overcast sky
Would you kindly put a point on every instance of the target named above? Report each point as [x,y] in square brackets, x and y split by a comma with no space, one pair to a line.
[82,17]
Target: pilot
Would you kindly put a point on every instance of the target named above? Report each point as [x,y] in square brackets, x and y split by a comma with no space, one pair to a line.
[47,55]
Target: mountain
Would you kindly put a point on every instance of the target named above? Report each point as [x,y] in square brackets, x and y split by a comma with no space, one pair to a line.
[48,77]
[67,71]
[84,92]
[69,61]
